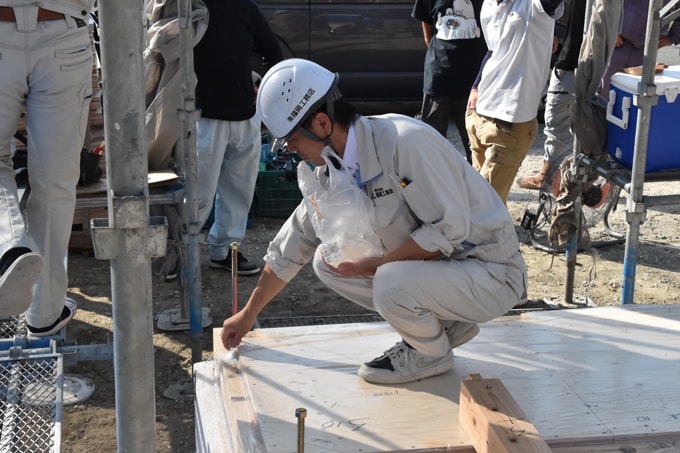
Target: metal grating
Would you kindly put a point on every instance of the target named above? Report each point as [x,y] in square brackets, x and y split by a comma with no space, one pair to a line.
[293,321]
[31,404]
[9,327]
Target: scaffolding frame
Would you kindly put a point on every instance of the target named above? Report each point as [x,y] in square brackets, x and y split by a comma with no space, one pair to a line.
[632,181]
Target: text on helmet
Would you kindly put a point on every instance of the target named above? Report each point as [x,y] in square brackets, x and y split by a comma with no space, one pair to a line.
[298,108]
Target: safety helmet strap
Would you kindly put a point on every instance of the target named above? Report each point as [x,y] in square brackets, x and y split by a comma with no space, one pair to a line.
[330,111]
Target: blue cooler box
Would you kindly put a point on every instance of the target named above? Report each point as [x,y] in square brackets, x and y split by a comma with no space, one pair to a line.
[663,149]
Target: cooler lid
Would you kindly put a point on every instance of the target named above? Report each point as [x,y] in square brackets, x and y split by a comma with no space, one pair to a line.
[667,82]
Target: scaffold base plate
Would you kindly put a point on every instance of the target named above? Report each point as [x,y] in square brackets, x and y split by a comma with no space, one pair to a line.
[77,389]
[172,320]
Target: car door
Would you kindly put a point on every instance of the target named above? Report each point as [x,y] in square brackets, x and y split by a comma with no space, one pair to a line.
[376,47]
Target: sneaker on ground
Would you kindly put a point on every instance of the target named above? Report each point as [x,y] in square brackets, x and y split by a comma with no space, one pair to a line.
[401,364]
[245,267]
[459,332]
[67,314]
[173,273]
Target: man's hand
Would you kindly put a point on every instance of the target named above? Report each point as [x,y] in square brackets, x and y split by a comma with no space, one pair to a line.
[472,99]
[365,267]
[664,41]
[234,329]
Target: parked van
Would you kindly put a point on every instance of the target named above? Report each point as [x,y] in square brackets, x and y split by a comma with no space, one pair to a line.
[375,46]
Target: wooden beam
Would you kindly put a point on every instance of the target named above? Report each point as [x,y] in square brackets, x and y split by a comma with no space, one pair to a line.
[493,421]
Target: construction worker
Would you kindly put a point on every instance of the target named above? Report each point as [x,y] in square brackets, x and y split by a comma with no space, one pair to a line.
[47,70]
[450,256]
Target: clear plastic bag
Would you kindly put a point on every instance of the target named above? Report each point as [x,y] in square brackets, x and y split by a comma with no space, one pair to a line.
[342,215]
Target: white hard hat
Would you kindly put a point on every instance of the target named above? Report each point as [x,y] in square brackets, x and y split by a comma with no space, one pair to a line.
[289,92]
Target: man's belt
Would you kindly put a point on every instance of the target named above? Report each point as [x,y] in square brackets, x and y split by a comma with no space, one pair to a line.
[7,14]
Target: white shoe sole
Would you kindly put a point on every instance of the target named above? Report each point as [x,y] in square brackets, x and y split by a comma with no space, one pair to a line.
[16,284]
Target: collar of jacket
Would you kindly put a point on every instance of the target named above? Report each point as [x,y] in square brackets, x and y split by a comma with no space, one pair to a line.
[369,165]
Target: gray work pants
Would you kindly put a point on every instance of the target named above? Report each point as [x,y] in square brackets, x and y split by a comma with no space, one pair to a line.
[415,297]
[46,68]
[559,108]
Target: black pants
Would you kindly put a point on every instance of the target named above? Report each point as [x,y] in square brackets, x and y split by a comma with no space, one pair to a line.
[438,111]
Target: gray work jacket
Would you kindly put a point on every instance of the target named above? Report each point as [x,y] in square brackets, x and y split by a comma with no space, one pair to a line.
[422,188]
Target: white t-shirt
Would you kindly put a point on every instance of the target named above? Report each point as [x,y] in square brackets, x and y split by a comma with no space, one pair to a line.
[520,34]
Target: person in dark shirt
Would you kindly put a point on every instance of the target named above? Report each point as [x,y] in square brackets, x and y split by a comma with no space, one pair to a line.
[228,132]
[455,47]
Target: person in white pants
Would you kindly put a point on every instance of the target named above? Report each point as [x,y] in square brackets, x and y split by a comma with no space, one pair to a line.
[228,161]
[47,70]
[228,144]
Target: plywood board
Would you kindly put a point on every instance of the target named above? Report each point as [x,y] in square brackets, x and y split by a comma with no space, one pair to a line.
[594,376]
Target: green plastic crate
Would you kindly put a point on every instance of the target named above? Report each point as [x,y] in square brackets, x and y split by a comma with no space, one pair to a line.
[276,195]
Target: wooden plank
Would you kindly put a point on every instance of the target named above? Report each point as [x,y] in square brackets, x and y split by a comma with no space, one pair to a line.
[212,426]
[493,420]
[611,371]
[82,216]
[81,234]
[282,370]
[244,432]
[596,380]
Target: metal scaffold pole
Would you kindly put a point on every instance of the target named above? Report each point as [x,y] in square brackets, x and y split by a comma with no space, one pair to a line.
[187,145]
[572,246]
[645,99]
[128,238]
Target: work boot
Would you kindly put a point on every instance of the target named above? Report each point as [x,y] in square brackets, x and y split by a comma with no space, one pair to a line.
[534,182]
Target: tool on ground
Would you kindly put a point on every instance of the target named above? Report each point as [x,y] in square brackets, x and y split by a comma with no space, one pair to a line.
[301,413]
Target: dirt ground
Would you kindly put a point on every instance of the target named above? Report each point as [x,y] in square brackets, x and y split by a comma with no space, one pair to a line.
[91,425]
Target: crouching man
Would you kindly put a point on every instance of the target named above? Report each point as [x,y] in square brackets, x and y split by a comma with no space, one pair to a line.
[450,256]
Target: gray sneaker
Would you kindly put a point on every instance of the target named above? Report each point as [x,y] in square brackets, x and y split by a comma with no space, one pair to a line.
[460,332]
[401,364]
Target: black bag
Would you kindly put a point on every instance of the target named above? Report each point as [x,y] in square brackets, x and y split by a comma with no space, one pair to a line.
[90,172]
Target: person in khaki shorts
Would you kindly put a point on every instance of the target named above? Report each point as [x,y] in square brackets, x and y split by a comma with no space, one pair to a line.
[46,70]
[503,102]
